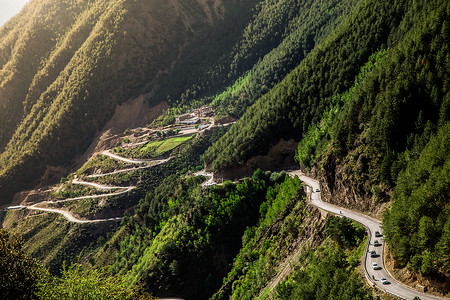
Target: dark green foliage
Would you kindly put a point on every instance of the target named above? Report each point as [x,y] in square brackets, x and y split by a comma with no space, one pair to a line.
[373,96]
[19,273]
[318,137]
[300,99]
[277,37]
[76,283]
[344,232]
[281,217]
[418,225]
[327,275]
[183,236]
[376,125]
[403,101]
[22,277]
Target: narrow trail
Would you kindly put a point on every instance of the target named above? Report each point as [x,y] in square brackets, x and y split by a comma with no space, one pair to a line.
[126,190]
[96,185]
[148,161]
[148,164]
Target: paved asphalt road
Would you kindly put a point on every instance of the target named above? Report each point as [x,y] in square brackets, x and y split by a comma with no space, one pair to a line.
[394,287]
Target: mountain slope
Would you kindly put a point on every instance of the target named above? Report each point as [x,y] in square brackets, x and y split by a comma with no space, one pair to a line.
[365,105]
[91,56]
[300,99]
[363,86]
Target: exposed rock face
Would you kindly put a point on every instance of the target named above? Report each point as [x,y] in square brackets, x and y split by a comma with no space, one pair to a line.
[132,114]
[339,188]
[52,174]
[280,156]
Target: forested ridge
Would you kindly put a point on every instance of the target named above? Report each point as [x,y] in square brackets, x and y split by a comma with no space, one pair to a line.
[371,100]
[65,66]
[361,85]
[257,60]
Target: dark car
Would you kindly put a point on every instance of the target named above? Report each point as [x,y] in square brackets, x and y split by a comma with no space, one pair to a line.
[376,243]
[373,254]
[378,234]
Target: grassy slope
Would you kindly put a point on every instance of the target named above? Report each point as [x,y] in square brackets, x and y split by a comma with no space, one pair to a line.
[155,148]
[51,239]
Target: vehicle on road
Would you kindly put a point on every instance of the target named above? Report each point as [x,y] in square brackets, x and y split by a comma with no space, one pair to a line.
[378,234]
[376,243]
[317,190]
[373,254]
[375,266]
[384,280]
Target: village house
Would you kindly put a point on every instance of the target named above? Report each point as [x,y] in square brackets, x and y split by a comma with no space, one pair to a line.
[204,111]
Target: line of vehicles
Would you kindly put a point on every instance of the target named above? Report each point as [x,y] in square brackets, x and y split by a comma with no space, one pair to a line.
[373,254]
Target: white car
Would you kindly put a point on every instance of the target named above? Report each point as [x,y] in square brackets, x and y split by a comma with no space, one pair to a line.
[375,266]
[384,280]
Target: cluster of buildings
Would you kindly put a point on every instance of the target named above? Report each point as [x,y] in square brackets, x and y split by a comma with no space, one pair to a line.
[195,117]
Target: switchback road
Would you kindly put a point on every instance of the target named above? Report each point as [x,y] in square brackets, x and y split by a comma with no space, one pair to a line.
[149,162]
[69,216]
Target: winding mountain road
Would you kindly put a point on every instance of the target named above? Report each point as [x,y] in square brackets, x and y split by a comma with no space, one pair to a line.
[96,185]
[149,163]
[208,182]
[372,225]
[69,216]
[126,190]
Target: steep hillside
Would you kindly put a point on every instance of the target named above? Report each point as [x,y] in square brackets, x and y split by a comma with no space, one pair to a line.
[65,65]
[365,105]
[356,90]
[277,37]
[301,98]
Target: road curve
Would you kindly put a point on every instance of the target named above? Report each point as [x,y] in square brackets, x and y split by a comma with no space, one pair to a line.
[69,216]
[373,276]
[210,181]
[126,190]
[96,185]
[149,162]
[117,172]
